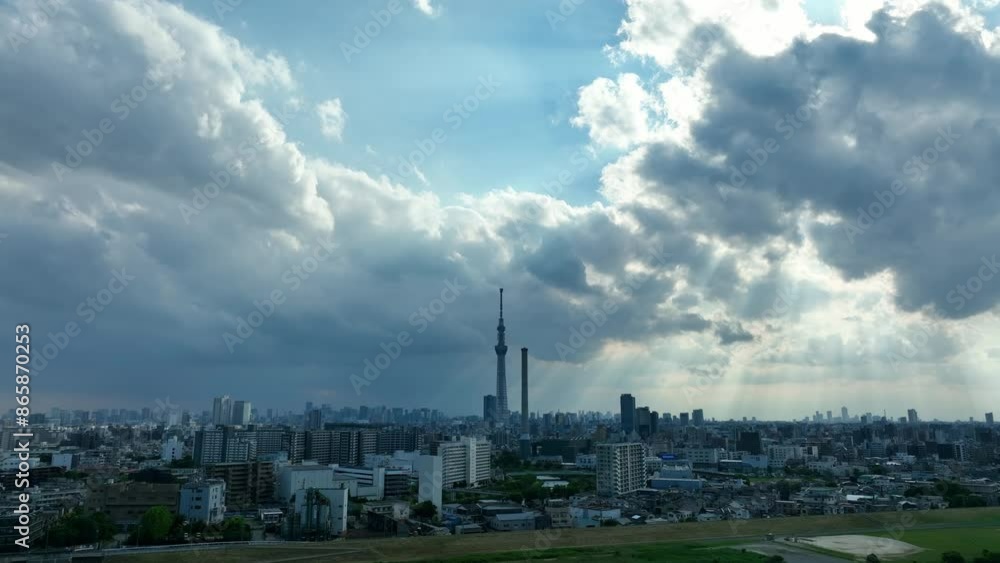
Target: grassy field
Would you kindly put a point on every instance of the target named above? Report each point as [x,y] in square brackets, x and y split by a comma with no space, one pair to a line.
[478,546]
[665,552]
[970,542]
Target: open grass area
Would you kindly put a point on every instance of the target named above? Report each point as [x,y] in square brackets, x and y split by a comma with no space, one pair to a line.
[672,552]
[970,542]
[479,545]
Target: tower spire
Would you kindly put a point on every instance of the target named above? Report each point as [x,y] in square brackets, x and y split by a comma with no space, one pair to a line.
[501,350]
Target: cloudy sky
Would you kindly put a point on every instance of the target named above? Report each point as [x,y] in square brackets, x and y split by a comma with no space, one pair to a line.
[756,207]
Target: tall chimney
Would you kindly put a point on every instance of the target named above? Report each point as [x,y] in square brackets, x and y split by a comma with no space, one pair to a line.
[524,391]
[525,431]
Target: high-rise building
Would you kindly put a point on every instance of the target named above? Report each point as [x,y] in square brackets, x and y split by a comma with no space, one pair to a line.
[911,416]
[843,414]
[464,461]
[501,350]
[750,442]
[314,419]
[829,416]
[490,409]
[989,418]
[621,469]
[698,417]
[628,413]
[241,413]
[222,410]
[684,419]
[209,446]
[643,424]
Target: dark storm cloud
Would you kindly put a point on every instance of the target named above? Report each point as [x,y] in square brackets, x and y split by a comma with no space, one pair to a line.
[846,119]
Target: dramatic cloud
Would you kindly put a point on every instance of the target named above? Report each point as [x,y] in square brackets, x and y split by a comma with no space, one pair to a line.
[151,195]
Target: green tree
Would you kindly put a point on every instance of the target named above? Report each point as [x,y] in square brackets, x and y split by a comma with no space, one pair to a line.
[186,462]
[872,558]
[425,510]
[952,557]
[235,529]
[154,525]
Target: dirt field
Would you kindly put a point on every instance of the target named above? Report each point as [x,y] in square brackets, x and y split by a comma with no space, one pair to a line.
[863,545]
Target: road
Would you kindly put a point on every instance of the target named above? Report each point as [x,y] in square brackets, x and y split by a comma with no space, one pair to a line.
[791,554]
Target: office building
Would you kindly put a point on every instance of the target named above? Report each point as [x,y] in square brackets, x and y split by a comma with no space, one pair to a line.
[643,422]
[628,413]
[684,419]
[241,413]
[247,483]
[698,417]
[490,409]
[989,418]
[843,414]
[750,443]
[911,416]
[222,410]
[621,468]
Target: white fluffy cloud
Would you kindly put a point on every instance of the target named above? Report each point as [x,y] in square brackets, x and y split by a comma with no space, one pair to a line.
[332,118]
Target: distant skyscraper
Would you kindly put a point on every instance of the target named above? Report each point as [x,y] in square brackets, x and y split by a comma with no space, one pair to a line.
[684,419]
[490,409]
[241,413]
[642,421]
[911,416]
[829,416]
[989,418]
[222,410]
[501,350]
[628,413]
[698,417]
[843,414]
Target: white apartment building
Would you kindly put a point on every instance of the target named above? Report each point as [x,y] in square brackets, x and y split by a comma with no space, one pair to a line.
[621,468]
[464,461]
[172,449]
[778,456]
[204,500]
